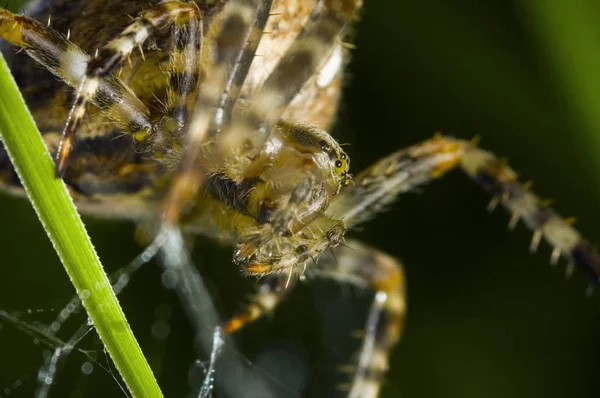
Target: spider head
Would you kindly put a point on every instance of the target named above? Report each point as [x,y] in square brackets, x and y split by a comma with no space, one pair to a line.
[342,166]
[339,160]
[324,150]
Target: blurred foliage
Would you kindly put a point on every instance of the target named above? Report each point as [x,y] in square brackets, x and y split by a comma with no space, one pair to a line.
[485,318]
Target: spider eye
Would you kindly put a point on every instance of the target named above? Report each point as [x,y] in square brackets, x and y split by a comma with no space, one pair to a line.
[338,163]
[324,146]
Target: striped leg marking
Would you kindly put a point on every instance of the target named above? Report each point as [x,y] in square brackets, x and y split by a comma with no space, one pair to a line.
[305,57]
[235,25]
[361,265]
[184,71]
[402,171]
[69,63]
[239,71]
[110,57]
[270,294]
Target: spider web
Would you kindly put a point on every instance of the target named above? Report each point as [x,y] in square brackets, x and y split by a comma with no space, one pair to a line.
[216,357]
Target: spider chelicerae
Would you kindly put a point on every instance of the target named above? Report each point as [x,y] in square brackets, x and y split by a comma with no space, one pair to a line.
[267,184]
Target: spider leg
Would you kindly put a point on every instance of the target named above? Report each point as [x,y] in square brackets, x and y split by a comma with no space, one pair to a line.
[359,265]
[270,294]
[110,57]
[184,67]
[402,171]
[68,62]
[302,60]
[380,184]
[247,134]
[287,255]
[235,25]
[364,266]
[239,71]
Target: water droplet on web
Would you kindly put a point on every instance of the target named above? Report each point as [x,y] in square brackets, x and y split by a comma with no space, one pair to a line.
[146,257]
[87,368]
[84,294]
[161,330]
[169,279]
[55,327]
[124,279]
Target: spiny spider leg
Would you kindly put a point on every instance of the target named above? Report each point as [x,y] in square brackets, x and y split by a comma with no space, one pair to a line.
[378,186]
[359,265]
[402,171]
[270,293]
[366,267]
[110,58]
[236,22]
[68,62]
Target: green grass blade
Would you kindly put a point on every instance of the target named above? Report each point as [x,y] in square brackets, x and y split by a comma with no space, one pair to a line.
[63,225]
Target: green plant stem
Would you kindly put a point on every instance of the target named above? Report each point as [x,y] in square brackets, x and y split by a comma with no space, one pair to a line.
[65,229]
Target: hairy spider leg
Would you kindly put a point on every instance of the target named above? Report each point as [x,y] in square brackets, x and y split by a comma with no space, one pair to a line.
[109,58]
[270,293]
[366,267]
[69,63]
[371,191]
[358,265]
[240,69]
[184,69]
[234,27]
[377,187]
[302,60]
[402,171]
[247,134]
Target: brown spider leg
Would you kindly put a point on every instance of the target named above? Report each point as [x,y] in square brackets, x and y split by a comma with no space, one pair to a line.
[360,265]
[68,62]
[184,67]
[500,180]
[249,132]
[302,60]
[239,71]
[110,58]
[366,267]
[235,25]
[305,204]
[288,255]
[402,171]
[270,294]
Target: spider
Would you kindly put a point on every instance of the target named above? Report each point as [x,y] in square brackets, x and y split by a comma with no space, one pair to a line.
[279,228]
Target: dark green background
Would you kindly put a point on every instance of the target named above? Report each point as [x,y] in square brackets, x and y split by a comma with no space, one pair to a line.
[486,318]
